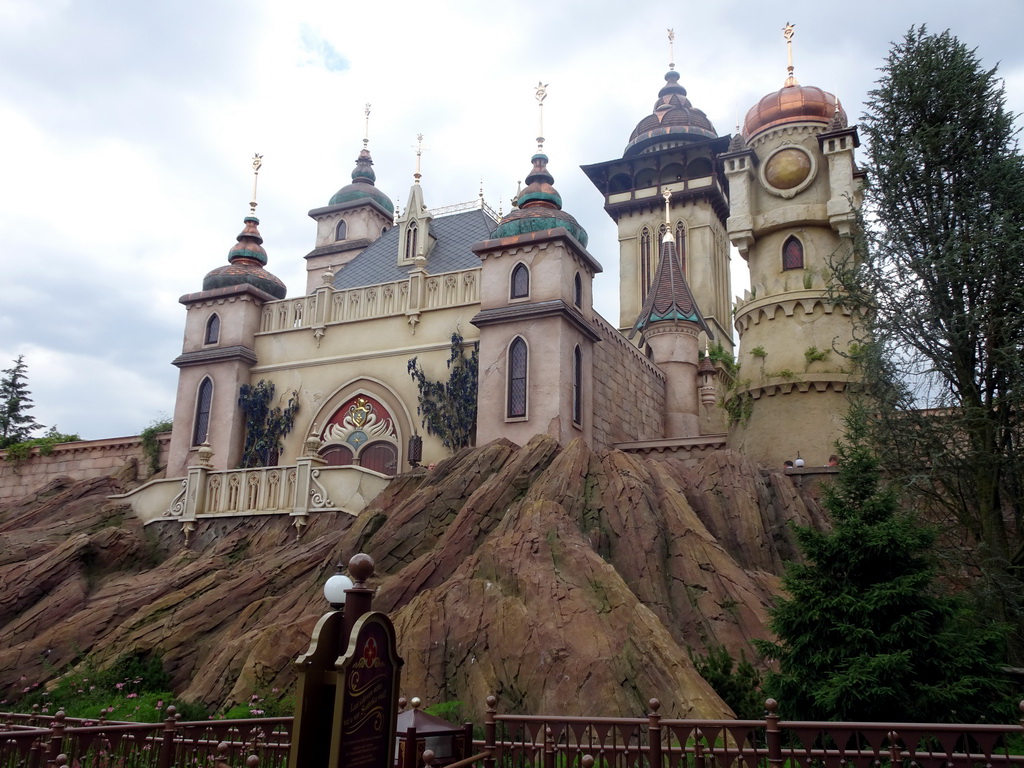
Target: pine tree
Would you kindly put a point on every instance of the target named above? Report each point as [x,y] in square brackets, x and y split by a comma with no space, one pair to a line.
[16,425]
[866,631]
[943,282]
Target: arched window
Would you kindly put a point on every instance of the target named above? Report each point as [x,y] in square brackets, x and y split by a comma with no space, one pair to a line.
[212,329]
[681,244]
[342,231]
[517,373]
[204,403]
[792,253]
[577,385]
[520,282]
[577,291]
[383,230]
[380,457]
[337,455]
[646,262]
[411,235]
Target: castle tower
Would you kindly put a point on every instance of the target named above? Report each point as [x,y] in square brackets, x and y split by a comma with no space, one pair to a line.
[795,193]
[535,319]
[218,351]
[671,323]
[356,215]
[674,149]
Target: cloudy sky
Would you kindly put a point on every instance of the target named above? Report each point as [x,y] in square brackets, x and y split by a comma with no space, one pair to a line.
[128,130]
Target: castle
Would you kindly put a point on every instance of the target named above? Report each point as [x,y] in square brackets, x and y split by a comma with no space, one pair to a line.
[385,286]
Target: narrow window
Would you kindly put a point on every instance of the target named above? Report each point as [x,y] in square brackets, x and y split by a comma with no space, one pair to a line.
[383,230]
[517,379]
[577,291]
[203,405]
[646,262]
[342,231]
[792,254]
[411,235]
[213,329]
[681,245]
[577,385]
[520,282]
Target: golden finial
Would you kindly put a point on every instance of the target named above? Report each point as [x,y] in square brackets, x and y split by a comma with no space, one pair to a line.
[541,93]
[257,163]
[366,129]
[671,54]
[419,154]
[787,32]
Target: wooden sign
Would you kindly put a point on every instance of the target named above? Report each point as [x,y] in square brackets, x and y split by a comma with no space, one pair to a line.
[367,696]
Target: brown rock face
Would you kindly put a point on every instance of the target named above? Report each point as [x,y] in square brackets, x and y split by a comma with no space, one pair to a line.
[562,580]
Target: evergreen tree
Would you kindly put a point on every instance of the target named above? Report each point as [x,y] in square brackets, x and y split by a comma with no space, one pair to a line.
[448,408]
[16,425]
[943,282]
[866,632]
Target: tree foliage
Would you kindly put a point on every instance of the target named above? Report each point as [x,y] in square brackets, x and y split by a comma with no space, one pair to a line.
[265,424]
[16,424]
[867,632]
[738,684]
[448,408]
[942,279]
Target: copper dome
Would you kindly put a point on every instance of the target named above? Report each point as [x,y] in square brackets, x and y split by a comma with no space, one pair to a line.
[792,104]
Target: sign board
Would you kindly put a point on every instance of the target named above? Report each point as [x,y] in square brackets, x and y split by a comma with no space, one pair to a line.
[367,696]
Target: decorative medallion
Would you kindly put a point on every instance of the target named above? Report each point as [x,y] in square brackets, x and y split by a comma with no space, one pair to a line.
[788,171]
[357,422]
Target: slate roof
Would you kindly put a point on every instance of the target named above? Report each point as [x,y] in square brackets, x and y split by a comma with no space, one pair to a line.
[455,234]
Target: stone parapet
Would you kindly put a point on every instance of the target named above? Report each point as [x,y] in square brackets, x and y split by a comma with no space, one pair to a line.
[81,460]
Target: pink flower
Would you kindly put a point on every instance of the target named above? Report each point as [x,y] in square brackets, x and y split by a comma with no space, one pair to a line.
[132,696]
[119,686]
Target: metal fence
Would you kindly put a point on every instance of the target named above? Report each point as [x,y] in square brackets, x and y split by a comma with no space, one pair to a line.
[533,741]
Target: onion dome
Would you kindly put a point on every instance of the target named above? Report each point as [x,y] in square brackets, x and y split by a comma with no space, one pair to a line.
[539,207]
[245,265]
[793,103]
[670,298]
[674,119]
[362,186]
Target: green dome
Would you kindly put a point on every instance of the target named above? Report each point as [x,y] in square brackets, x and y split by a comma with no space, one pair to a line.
[362,187]
[539,207]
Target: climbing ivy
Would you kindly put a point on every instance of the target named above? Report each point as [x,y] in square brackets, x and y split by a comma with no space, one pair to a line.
[265,426]
[448,408]
[150,444]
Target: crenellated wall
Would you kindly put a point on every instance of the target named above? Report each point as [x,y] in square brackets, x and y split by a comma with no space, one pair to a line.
[629,391]
[82,460]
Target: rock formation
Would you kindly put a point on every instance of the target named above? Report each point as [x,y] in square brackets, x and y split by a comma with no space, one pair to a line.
[561,579]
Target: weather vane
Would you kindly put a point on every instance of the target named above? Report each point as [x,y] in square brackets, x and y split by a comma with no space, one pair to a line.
[671,53]
[787,32]
[366,129]
[540,94]
[257,163]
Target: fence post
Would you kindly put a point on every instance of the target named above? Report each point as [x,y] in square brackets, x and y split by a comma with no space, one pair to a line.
[549,748]
[167,742]
[490,732]
[56,737]
[654,734]
[773,735]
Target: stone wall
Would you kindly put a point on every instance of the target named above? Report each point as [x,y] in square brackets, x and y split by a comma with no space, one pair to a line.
[82,460]
[629,391]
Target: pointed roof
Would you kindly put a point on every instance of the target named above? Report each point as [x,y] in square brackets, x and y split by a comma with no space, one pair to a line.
[670,298]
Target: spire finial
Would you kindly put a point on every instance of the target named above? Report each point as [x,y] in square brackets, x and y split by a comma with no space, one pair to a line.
[419,154]
[366,129]
[787,32]
[671,54]
[257,163]
[667,194]
[541,93]
[481,193]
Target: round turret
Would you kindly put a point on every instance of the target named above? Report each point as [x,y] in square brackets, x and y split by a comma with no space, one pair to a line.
[539,207]
[362,186]
[674,119]
[246,260]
